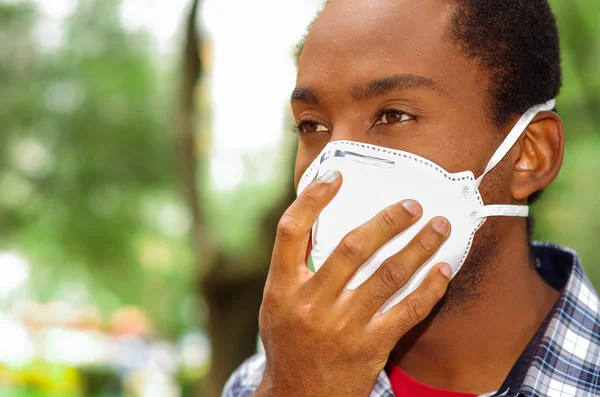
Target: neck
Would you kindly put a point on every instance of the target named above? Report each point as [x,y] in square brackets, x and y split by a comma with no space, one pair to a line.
[473,345]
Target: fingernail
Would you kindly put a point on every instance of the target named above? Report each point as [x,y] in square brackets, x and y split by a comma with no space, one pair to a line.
[412,207]
[441,225]
[329,177]
[446,270]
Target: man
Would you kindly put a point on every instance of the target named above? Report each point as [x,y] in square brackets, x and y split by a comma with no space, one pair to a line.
[446,80]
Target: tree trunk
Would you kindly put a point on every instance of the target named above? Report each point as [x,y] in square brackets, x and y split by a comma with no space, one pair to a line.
[233,302]
[233,305]
[232,298]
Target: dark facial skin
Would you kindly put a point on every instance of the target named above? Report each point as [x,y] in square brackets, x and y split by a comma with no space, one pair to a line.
[435,104]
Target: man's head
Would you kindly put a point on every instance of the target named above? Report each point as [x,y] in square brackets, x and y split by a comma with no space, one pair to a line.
[444,79]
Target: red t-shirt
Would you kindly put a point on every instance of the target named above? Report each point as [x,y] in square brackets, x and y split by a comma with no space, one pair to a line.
[405,386]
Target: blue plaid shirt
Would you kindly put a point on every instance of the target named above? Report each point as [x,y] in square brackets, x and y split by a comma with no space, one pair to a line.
[561,360]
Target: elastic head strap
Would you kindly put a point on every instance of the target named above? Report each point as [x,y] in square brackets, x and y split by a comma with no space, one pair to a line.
[513,137]
[502,210]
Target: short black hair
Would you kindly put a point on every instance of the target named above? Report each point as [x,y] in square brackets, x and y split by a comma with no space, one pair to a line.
[516,42]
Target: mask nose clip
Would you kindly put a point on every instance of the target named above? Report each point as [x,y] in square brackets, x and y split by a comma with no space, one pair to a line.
[357,157]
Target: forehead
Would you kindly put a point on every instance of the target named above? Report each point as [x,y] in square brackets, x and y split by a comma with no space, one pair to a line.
[356,40]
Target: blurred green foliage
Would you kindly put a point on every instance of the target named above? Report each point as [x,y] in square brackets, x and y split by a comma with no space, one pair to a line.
[88,178]
[568,212]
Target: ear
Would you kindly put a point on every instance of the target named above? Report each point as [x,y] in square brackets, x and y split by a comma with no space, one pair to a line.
[541,156]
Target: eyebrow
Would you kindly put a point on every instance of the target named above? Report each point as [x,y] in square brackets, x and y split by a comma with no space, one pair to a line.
[374,88]
[306,95]
[385,85]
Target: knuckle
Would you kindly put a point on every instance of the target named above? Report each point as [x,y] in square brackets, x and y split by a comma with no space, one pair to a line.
[376,299]
[436,292]
[352,246]
[288,227]
[318,284]
[379,297]
[394,274]
[303,318]
[425,246]
[390,333]
[368,302]
[338,328]
[271,319]
[388,219]
[272,298]
[311,198]
[373,300]
[416,311]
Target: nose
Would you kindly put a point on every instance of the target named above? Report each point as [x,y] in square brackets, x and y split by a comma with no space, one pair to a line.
[350,129]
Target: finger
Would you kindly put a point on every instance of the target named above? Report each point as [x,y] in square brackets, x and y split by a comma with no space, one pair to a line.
[397,270]
[293,230]
[415,308]
[361,244]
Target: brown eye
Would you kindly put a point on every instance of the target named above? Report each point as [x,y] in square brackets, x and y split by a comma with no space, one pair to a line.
[393,116]
[311,127]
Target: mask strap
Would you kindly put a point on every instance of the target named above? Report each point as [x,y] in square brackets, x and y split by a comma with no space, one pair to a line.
[502,210]
[512,138]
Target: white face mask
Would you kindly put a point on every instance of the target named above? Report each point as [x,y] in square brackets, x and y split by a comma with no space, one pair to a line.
[377,177]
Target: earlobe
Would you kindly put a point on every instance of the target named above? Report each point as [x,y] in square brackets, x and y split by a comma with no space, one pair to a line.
[540,157]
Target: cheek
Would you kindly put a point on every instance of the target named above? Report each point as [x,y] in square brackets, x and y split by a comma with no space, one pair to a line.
[297,175]
[302,163]
[495,187]
[307,152]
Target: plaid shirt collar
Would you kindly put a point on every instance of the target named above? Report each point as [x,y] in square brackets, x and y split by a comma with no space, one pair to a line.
[561,360]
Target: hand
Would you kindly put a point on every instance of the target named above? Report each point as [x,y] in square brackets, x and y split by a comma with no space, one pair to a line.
[321,339]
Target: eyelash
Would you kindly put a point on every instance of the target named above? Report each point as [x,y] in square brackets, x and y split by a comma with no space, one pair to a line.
[298,128]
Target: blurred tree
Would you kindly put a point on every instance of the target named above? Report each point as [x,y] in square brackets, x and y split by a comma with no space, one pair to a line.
[230,282]
[89,189]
